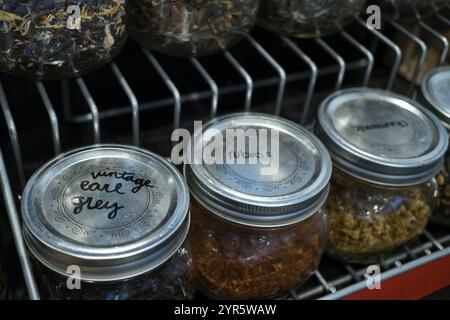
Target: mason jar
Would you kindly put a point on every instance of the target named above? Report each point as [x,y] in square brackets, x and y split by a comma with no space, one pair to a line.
[60,39]
[109,222]
[386,151]
[306,18]
[436,96]
[191,28]
[258,222]
[408,9]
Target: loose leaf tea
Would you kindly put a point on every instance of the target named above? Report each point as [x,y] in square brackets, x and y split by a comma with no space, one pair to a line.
[366,222]
[45,40]
[408,9]
[243,263]
[191,27]
[308,18]
[442,213]
[174,280]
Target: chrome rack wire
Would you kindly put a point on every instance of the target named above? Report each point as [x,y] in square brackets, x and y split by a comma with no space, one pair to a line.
[343,279]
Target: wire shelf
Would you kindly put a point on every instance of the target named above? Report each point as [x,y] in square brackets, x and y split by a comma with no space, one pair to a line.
[270,73]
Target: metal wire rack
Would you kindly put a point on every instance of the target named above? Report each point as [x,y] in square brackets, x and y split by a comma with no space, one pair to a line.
[265,67]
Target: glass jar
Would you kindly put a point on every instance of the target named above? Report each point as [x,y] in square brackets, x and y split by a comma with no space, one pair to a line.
[191,28]
[408,9]
[306,18]
[59,39]
[386,151]
[369,221]
[435,95]
[109,222]
[258,223]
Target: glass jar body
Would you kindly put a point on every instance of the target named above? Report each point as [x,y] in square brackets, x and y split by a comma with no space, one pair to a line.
[45,39]
[240,262]
[174,280]
[307,19]
[441,214]
[408,9]
[368,221]
[191,28]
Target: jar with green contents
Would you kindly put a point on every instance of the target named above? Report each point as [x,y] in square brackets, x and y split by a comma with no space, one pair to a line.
[109,223]
[386,151]
[436,95]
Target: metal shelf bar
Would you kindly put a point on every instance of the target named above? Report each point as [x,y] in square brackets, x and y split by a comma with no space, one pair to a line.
[340,61]
[170,85]
[93,107]
[313,79]
[282,74]
[395,48]
[212,84]
[366,52]
[14,137]
[247,78]
[133,102]
[17,231]
[422,55]
[52,117]
[441,38]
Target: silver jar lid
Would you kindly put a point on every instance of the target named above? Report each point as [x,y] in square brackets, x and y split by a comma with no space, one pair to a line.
[436,91]
[382,137]
[116,212]
[295,189]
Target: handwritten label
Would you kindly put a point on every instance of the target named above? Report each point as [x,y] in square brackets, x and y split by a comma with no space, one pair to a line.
[116,187]
[385,125]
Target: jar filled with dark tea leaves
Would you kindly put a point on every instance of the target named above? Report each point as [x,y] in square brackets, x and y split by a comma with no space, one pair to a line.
[408,9]
[60,39]
[114,217]
[308,18]
[258,223]
[191,27]
[386,151]
[436,95]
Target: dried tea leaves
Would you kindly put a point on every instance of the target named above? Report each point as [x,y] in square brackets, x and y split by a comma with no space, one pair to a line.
[36,40]
[191,28]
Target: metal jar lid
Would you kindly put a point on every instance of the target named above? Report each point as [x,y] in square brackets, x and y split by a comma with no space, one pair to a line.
[382,137]
[436,91]
[114,211]
[245,194]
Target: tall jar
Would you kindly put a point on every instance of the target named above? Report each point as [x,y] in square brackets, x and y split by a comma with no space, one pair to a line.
[436,95]
[60,39]
[191,27]
[386,151]
[306,18]
[109,223]
[258,222]
[408,9]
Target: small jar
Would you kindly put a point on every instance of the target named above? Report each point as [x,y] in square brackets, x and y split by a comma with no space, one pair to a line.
[436,95]
[191,28]
[109,222]
[408,9]
[306,18]
[258,222]
[386,151]
[60,39]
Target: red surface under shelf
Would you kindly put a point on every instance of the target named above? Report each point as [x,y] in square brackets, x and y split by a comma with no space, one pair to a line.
[414,284]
